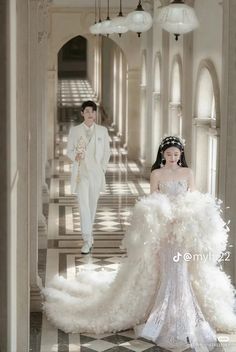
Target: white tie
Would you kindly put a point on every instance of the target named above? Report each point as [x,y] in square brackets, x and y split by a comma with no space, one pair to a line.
[89,133]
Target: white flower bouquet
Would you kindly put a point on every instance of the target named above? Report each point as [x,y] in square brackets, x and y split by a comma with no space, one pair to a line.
[80,149]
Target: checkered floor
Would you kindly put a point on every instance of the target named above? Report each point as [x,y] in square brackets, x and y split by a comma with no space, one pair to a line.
[72,92]
[122,342]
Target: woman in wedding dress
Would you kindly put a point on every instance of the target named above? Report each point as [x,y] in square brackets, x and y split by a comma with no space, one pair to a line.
[171,288]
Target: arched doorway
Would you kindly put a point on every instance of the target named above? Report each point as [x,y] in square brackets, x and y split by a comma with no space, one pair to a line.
[72,58]
[73,86]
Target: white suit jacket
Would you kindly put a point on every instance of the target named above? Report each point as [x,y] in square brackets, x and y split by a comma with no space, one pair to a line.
[102,150]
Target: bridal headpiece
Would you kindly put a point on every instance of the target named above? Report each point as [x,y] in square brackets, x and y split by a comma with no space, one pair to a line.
[168,141]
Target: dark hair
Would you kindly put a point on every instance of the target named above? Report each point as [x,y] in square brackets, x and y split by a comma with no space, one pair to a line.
[169,142]
[89,103]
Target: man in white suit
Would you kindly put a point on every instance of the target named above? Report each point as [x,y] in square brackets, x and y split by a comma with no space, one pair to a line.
[88,147]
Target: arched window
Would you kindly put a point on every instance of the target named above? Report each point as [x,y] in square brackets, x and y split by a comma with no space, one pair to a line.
[175,105]
[206,128]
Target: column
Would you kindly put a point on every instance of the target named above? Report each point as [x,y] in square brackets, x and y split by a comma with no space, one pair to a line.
[156,124]
[227,184]
[42,187]
[5,300]
[187,97]
[42,36]
[175,118]
[133,98]
[149,110]
[35,281]
[165,81]
[51,112]
[143,124]
[21,143]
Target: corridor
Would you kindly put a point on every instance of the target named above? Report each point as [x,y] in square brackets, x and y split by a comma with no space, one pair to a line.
[146,86]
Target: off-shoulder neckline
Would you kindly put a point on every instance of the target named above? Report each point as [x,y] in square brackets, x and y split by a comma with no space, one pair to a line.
[174,181]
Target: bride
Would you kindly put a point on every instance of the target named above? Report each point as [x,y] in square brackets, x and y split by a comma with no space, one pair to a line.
[171,288]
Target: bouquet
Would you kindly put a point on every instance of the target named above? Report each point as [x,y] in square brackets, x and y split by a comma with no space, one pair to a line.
[80,149]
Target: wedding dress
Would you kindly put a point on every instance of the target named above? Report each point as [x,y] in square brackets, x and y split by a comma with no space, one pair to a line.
[170,288]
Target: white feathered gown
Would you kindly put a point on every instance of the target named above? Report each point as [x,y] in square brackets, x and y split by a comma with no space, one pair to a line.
[172,302]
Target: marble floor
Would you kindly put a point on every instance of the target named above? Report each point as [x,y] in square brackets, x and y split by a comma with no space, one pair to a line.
[72,92]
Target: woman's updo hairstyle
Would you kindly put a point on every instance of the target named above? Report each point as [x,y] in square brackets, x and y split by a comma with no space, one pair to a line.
[167,142]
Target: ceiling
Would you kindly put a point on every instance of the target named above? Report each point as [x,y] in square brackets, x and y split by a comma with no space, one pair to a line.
[90,3]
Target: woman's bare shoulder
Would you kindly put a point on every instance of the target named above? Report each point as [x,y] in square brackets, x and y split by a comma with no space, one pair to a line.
[156,172]
[187,171]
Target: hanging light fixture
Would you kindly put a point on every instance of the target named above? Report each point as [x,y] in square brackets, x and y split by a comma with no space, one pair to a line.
[106,27]
[118,24]
[97,26]
[139,20]
[178,18]
[93,27]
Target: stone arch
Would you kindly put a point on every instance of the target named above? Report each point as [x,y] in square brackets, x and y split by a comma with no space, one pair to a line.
[207,88]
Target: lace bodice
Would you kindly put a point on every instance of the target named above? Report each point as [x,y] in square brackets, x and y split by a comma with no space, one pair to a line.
[174,187]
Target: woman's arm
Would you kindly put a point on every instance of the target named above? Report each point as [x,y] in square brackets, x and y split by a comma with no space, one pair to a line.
[191,182]
[154,180]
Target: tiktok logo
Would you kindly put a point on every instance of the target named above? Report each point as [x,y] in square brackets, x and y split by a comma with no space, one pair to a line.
[177,257]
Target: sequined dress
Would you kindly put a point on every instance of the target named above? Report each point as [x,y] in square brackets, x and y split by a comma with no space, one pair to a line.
[176,321]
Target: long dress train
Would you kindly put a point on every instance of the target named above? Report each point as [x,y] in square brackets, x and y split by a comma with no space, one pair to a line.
[176,303]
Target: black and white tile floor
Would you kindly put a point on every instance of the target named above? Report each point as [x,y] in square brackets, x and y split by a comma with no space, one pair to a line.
[71,92]
[124,185]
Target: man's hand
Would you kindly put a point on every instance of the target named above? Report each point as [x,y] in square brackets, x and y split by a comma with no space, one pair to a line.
[79,156]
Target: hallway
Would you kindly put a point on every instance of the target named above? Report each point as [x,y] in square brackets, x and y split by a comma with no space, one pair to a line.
[145,87]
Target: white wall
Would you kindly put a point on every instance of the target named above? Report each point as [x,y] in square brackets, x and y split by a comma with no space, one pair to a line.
[207,39]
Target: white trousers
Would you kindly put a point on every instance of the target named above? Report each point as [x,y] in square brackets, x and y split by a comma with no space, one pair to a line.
[88,190]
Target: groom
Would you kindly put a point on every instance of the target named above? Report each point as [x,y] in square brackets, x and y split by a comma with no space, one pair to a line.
[88,147]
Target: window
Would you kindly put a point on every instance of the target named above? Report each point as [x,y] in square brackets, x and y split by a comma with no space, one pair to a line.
[206,129]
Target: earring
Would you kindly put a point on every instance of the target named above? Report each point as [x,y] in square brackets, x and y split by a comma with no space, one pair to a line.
[162,161]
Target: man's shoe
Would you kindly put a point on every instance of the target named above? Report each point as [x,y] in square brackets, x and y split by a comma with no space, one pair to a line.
[86,248]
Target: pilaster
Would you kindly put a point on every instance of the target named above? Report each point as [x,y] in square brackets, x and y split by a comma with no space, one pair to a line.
[227,184]
[133,95]
[187,95]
